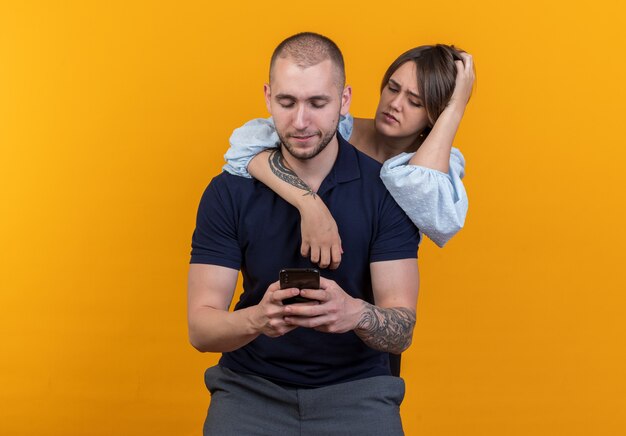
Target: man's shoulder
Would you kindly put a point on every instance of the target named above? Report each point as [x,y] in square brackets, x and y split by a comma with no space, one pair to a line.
[225,186]
[394,235]
[226,180]
[369,165]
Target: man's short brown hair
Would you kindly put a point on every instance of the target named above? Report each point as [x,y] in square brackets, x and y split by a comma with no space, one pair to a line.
[307,49]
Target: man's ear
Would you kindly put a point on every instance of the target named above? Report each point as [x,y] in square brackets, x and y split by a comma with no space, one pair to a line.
[346,98]
[268,97]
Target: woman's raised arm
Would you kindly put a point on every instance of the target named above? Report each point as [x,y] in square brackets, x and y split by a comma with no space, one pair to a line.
[434,152]
[427,184]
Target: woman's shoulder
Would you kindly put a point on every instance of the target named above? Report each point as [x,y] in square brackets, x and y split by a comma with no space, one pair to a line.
[363,134]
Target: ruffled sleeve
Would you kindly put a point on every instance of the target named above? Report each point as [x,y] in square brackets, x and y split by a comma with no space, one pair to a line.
[345,126]
[435,201]
[246,142]
[259,134]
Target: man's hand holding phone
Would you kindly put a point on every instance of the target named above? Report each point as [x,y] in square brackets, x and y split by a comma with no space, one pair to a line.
[301,298]
[336,311]
[268,316]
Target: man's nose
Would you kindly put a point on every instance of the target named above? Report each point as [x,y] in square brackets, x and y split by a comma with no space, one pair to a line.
[301,120]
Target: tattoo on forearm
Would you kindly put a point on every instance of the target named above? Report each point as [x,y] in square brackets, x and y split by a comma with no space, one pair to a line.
[283,172]
[389,330]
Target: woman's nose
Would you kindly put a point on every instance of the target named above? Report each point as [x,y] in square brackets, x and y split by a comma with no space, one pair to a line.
[396,102]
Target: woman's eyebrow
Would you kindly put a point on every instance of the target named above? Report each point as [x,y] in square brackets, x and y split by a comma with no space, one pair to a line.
[396,84]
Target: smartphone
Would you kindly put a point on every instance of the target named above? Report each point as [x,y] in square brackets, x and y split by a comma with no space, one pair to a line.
[301,278]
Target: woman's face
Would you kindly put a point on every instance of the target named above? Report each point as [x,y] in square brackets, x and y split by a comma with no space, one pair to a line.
[400,112]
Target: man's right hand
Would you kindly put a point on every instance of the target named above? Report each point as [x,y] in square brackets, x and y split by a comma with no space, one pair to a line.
[268,316]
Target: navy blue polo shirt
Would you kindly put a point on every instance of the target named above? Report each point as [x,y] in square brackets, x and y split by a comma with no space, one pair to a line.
[242,224]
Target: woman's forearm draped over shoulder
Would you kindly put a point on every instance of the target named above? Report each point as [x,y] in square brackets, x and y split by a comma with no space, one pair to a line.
[247,157]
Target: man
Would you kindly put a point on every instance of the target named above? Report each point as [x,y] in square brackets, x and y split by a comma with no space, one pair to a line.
[308,368]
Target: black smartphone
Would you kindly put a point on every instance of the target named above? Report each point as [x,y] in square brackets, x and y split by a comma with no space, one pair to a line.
[301,278]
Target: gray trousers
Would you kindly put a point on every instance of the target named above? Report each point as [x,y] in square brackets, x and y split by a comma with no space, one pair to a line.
[246,405]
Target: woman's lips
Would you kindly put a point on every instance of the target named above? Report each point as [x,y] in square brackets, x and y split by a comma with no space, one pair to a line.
[390,118]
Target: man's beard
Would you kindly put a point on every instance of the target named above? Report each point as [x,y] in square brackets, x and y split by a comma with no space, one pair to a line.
[301,155]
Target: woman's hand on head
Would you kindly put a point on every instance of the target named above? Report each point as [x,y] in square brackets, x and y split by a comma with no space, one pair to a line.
[464,81]
[320,235]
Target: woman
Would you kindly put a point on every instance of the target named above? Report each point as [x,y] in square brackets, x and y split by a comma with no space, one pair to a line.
[423,97]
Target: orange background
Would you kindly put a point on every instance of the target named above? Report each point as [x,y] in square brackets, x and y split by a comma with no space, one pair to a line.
[115,115]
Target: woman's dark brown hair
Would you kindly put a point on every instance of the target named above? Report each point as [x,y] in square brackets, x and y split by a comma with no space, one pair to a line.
[436,75]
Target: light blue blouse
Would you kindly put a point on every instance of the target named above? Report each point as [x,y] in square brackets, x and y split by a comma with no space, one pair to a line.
[435,201]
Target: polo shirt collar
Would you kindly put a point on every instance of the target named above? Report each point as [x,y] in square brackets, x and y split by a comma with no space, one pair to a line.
[346,166]
[345,169]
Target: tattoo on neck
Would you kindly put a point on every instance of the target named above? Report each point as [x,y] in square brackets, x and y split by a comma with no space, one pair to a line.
[389,330]
[282,171]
